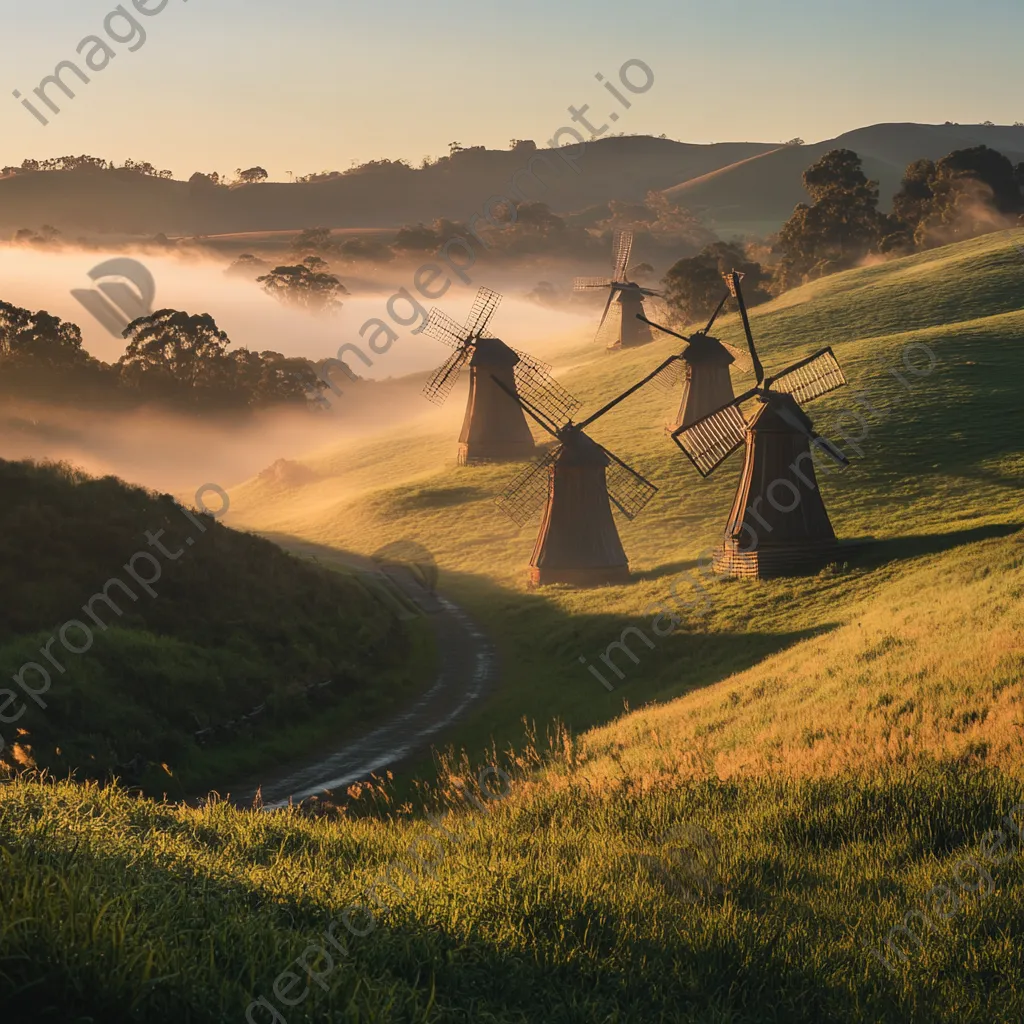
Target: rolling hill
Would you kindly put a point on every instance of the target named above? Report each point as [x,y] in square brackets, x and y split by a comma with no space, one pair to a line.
[755,196]
[739,187]
[807,764]
[206,659]
[113,202]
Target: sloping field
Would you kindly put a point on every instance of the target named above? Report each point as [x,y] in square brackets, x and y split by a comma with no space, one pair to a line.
[814,814]
[756,195]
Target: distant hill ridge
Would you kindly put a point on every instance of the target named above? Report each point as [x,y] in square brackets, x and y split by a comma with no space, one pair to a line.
[733,184]
[760,191]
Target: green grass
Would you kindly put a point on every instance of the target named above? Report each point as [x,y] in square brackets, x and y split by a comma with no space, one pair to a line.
[540,910]
[226,622]
[942,469]
[847,739]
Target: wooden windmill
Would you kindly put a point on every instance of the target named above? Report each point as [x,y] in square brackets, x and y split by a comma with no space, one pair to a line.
[778,525]
[619,326]
[494,428]
[703,370]
[576,483]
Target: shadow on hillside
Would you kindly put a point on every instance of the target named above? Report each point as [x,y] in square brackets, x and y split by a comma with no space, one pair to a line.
[577,668]
[667,569]
[871,552]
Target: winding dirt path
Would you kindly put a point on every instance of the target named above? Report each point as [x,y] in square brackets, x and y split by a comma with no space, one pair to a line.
[466,671]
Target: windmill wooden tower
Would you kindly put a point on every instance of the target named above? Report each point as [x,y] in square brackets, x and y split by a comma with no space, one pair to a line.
[494,428]
[620,326]
[702,368]
[576,483]
[778,525]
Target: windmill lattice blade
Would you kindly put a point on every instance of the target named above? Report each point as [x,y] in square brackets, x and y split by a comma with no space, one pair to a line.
[439,387]
[610,328]
[442,327]
[629,491]
[710,441]
[535,383]
[740,358]
[672,376]
[528,489]
[584,284]
[484,305]
[810,378]
[622,246]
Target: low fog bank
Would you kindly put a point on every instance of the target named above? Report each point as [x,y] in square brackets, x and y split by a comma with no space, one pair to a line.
[179,454]
[39,278]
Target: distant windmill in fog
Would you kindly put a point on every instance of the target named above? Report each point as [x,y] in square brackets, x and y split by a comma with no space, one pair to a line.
[619,326]
[494,428]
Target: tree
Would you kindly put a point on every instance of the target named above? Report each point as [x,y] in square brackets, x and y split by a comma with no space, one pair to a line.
[694,286]
[987,166]
[416,238]
[39,336]
[247,265]
[175,355]
[252,175]
[200,180]
[306,287]
[361,248]
[841,227]
[285,380]
[313,240]
[966,193]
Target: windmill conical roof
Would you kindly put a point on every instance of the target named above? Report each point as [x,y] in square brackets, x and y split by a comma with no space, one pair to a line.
[580,450]
[704,348]
[492,352]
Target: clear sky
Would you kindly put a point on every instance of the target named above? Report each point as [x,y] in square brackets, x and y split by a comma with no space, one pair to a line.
[308,85]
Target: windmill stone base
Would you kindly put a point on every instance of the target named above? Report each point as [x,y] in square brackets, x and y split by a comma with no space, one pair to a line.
[474,454]
[773,561]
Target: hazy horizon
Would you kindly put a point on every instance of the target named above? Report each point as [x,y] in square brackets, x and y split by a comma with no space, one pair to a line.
[403,84]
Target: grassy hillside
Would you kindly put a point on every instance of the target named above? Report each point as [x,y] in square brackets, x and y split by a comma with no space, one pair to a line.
[199,625]
[941,469]
[755,196]
[812,764]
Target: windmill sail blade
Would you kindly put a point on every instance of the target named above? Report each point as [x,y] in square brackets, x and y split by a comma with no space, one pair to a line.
[484,305]
[628,490]
[528,489]
[610,328]
[440,385]
[799,420]
[671,376]
[733,281]
[710,441]
[740,358]
[714,316]
[535,384]
[811,378]
[622,246]
[659,327]
[583,284]
[442,327]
